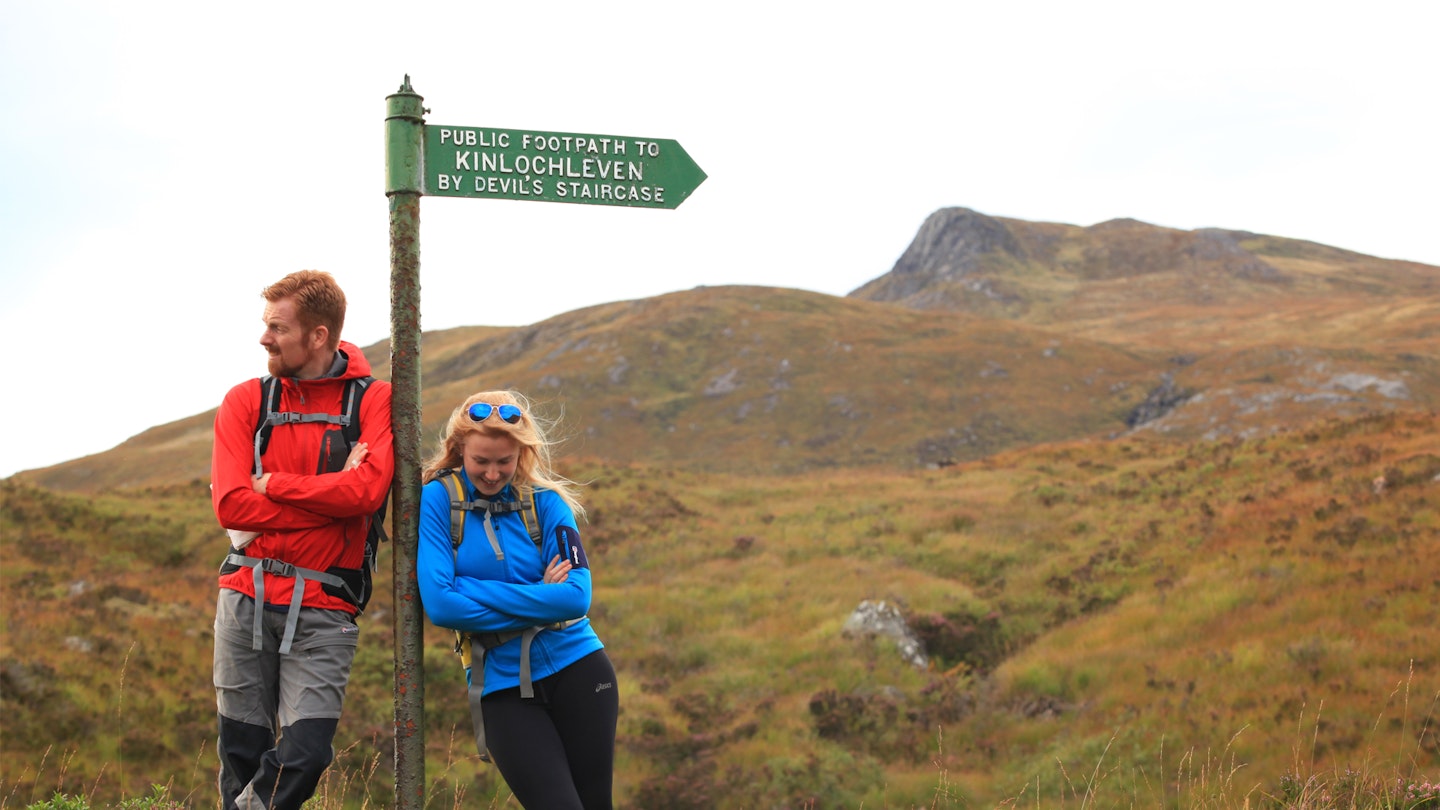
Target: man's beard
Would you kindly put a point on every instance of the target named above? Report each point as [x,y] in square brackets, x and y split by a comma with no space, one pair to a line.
[277,368]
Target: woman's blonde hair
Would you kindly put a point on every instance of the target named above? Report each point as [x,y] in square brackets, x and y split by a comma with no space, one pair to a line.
[533,467]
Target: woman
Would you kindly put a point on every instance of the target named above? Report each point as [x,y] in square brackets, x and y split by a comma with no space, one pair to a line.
[542,688]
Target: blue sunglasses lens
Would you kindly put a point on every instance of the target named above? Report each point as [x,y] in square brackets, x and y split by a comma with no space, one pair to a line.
[481,411]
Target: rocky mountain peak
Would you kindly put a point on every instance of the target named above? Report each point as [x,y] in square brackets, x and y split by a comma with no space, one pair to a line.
[948,247]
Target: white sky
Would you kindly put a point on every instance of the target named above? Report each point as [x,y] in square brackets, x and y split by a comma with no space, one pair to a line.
[161,162]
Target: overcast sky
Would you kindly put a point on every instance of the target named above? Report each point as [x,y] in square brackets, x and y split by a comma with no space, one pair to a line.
[160,163]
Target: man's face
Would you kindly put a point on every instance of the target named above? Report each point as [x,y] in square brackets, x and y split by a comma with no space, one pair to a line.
[294,351]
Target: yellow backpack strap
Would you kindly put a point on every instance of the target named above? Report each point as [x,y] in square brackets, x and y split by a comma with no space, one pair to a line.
[531,513]
[457,535]
[451,480]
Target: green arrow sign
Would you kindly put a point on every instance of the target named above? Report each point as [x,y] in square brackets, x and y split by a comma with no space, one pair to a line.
[517,164]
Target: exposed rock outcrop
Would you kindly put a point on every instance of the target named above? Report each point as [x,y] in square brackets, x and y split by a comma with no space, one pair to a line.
[948,248]
[884,619]
[1161,400]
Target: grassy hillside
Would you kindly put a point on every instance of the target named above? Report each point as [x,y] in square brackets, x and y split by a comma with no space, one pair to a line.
[730,378]
[1154,623]
[750,378]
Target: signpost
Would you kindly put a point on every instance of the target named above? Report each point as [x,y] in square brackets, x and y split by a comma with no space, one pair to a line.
[515,164]
[404,127]
[476,162]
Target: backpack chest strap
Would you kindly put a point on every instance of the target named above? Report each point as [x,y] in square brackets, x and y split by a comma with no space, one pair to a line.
[291,417]
[270,416]
[488,508]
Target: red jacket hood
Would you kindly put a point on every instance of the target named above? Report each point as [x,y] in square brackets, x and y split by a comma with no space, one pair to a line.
[355,363]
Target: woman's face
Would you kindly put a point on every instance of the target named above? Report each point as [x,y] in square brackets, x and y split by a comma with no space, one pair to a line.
[490,461]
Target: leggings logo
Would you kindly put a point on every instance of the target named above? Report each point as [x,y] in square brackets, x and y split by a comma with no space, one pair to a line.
[600,687]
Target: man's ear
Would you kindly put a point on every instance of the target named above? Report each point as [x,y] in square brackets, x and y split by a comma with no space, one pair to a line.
[320,337]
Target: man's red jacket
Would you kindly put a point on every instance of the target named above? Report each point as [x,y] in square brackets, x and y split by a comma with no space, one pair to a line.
[308,520]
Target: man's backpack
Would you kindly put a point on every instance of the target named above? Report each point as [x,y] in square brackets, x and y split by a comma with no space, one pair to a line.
[356,585]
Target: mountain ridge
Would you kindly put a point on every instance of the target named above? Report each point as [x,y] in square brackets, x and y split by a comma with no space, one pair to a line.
[988,333]
[1049,273]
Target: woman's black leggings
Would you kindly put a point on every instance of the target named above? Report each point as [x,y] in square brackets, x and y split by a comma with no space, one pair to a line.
[557,749]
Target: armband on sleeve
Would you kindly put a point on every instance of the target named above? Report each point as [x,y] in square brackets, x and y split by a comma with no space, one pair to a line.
[568,539]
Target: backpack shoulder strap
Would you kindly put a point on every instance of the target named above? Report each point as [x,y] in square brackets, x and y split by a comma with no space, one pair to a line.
[269,401]
[355,389]
[451,481]
[531,513]
[458,507]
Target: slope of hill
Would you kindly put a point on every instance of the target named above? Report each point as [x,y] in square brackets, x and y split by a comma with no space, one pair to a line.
[735,378]
[1146,623]
[988,334]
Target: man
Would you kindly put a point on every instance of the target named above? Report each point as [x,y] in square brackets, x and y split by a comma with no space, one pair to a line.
[285,632]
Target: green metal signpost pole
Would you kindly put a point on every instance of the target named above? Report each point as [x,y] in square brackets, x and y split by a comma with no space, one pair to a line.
[404,134]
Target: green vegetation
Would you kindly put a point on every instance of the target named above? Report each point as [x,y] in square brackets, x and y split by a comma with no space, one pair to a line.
[1109,623]
[159,799]
[1234,606]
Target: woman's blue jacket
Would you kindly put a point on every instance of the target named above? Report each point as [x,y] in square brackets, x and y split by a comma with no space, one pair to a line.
[470,590]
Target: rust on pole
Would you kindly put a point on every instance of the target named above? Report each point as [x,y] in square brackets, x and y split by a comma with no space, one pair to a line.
[404,169]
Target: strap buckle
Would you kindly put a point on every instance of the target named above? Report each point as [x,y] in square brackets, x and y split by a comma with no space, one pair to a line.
[277,567]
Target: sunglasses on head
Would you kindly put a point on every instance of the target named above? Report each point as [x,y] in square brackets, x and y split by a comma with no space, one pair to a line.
[481,411]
